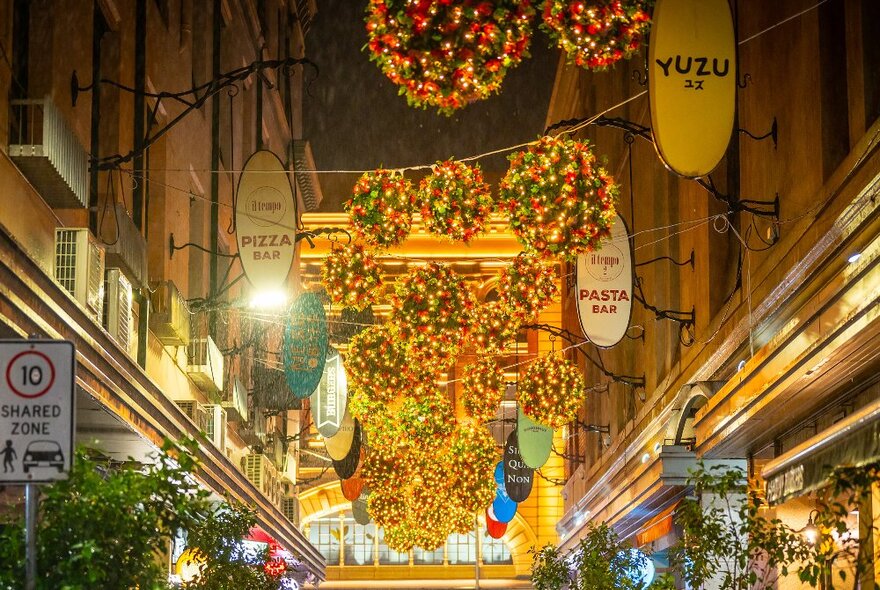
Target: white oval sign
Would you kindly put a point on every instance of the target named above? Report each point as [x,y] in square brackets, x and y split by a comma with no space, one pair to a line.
[265,221]
[329,401]
[692,83]
[340,443]
[605,288]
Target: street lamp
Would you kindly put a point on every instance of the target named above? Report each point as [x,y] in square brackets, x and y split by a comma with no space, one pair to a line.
[811,531]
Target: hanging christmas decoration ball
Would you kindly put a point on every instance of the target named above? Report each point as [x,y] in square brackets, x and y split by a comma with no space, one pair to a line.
[595,34]
[483,389]
[387,508]
[445,54]
[527,286]
[431,309]
[552,391]
[559,200]
[493,327]
[351,276]
[472,458]
[455,201]
[376,363]
[380,208]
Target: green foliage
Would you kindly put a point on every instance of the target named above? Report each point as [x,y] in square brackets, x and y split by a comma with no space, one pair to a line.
[107,527]
[549,571]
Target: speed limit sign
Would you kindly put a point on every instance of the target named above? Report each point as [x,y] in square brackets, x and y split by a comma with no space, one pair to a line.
[36,410]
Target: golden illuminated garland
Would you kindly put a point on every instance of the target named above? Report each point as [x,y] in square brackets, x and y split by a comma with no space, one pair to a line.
[447,54]
[455,200]
[376,364]
[559,200]
[492,327]
[431,308]
[472,459]
[483,389]
[351,276]
[597,33]
[380,208]
[527,286]
[552,391]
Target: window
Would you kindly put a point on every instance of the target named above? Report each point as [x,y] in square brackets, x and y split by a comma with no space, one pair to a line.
[495,551]
[388,556]
[422,557]
[324,535]
[461,549]
[359,542]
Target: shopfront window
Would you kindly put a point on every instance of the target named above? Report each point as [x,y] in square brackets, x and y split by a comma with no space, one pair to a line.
[495,551]
[360,542]
[388,556]
[461,549]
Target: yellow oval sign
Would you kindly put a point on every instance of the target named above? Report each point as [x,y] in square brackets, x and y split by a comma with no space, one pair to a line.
[265,221]
[692,83]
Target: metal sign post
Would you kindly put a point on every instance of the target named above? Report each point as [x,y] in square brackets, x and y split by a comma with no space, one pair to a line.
[36,424]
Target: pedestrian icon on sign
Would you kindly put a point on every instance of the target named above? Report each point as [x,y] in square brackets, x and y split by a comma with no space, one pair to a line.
[8,455]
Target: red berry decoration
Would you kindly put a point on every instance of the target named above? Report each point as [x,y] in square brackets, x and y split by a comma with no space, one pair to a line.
[351,276]
[483,389]
[552,391]
[456,201]
[444,54]
[380,208]
[595,34]
[527,286]
[431,309]
[492,327]
[559,200]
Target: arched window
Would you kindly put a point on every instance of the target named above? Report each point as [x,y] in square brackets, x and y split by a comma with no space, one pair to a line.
[342,540]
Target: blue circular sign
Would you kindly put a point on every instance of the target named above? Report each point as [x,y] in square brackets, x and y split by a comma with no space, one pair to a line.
[503,507]
[305,345]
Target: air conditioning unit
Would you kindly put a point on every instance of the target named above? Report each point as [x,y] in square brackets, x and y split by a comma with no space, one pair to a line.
[205,366]
[216,428]
[129,248]
[288,465]
[195,412]
[235,401]
[117,307]
[79,268]
[290,509]
[170,317]
[261,472]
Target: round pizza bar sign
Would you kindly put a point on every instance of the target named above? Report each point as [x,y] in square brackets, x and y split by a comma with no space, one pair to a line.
[36,410]
[265,221]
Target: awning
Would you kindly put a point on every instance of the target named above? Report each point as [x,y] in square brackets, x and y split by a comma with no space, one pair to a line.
[853,441]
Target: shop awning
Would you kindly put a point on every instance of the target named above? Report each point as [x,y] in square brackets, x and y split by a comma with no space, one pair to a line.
[853,441]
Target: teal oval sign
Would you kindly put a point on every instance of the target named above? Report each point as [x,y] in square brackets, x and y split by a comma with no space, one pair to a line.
[305,345]
[535,440]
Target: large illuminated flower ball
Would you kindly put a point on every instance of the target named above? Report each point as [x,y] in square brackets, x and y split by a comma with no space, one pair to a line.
[376,363]
[351,276]
[455,200]
[380,208]
[483,389]
[559,200]
[527,286]
[431,310]
[445,54]
[493,327]
[472,459]
[552,391]
[594,34]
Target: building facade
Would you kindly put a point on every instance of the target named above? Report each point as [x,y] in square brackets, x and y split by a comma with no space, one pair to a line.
[124,129]
[758,343]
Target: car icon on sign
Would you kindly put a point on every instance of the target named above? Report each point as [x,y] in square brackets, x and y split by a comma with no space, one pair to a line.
[43,453]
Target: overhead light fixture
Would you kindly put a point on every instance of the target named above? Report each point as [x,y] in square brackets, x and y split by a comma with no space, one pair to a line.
[854,257]
[268,300]
[811,531]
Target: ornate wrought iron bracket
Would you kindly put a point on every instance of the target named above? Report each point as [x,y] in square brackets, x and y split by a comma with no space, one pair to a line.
[331,232]
[192,99]
[682,317]
[759,208]
[630,380]
[174,248]
[689,261]
[772,134]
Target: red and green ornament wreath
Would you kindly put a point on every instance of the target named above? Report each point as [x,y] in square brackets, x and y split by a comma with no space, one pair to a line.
[380,208]
[482,389]
[492,327]
[595,34]
[527,286]
[551,391]
[351,276]
[560,201]
[445,54]
[456,201]
[431,309]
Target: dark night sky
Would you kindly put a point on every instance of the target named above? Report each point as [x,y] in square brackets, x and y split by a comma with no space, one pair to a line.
[355,120]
